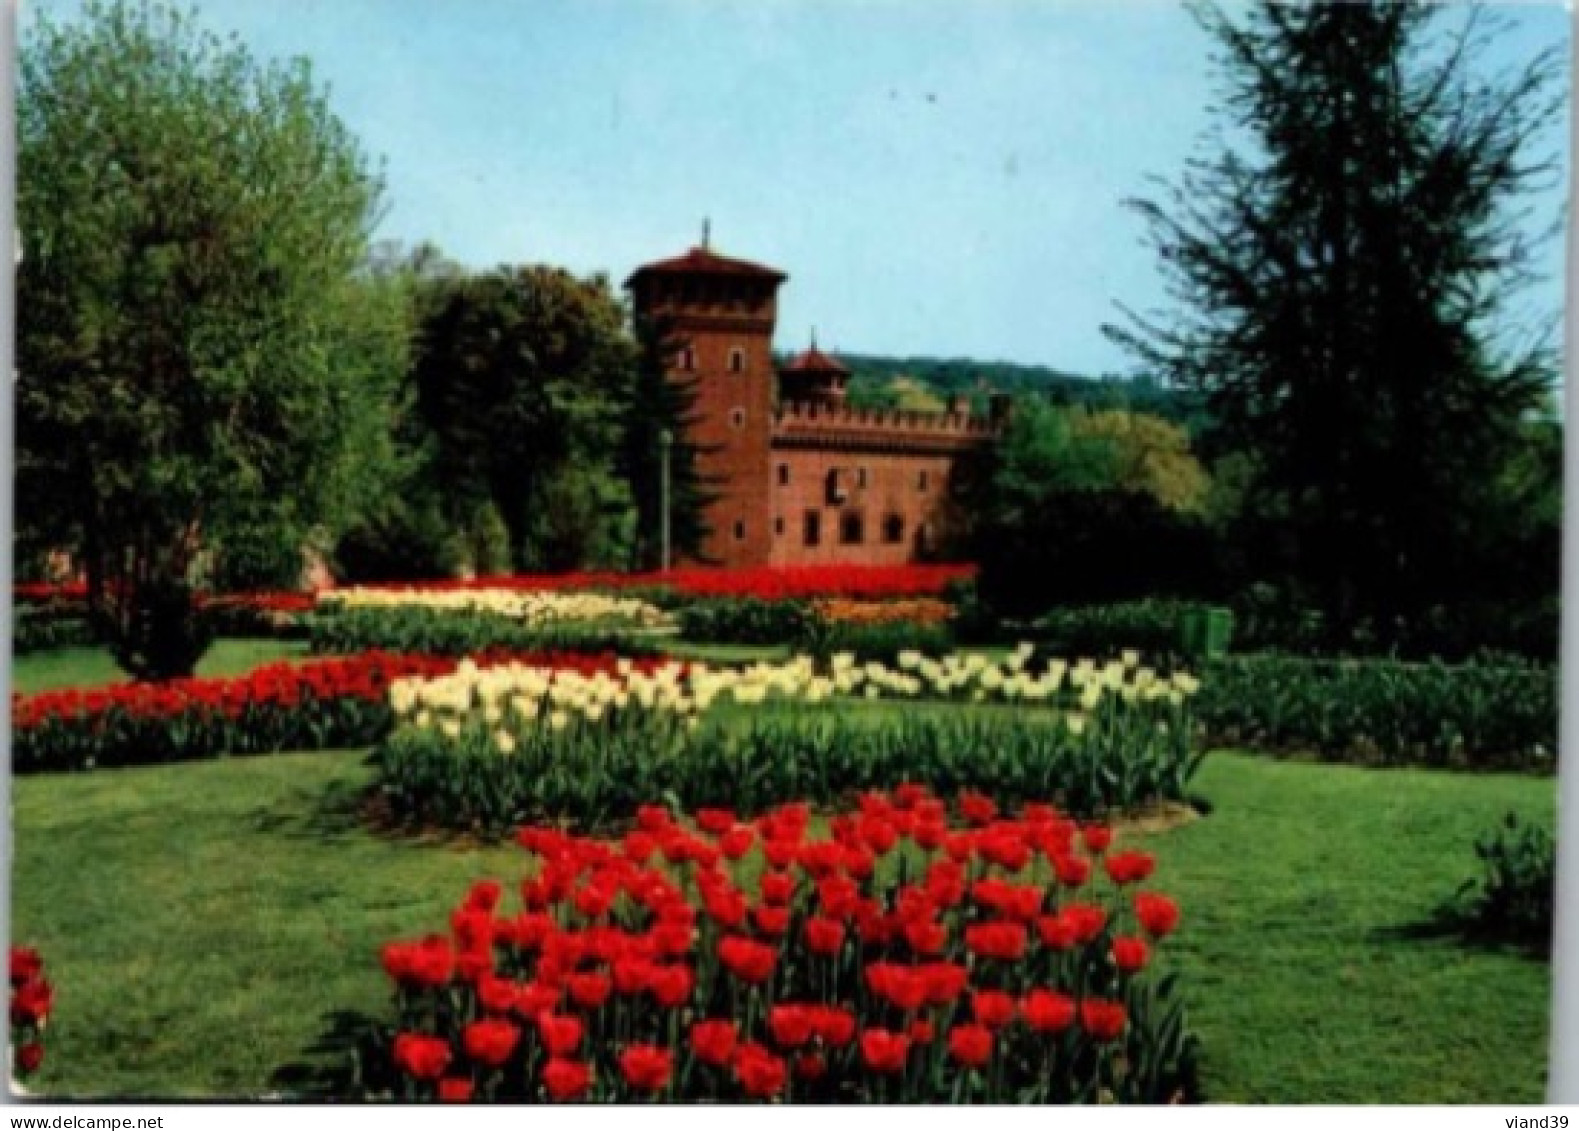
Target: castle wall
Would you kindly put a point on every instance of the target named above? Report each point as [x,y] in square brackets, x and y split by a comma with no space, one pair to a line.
[898,501]
[802,483]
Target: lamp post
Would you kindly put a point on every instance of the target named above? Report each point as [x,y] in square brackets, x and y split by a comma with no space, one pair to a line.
[665,443]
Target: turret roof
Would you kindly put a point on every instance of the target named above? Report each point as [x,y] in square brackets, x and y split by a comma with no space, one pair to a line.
[705,261]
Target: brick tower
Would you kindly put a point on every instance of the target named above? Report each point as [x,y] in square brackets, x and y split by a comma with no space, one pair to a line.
[721,312]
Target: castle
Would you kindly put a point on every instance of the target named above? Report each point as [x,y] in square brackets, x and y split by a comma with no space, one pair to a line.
[800,477]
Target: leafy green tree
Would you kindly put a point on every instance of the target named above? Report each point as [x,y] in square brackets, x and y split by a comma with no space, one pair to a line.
[1073,507]
[1341,278]
[525,377]
[203,363]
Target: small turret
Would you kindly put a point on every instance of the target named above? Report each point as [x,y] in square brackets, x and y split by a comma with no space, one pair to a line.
[814,377]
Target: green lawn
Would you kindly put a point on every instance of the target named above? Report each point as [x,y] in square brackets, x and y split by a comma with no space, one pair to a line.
[204,922]
[91,667]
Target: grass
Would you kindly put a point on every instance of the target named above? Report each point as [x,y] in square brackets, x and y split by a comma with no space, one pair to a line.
[93,667]
[202,923]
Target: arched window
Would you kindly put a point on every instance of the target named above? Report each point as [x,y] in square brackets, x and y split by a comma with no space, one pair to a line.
[740,531]
[737,360]
[851,528]
[894,529]
[784,475]
[860,477]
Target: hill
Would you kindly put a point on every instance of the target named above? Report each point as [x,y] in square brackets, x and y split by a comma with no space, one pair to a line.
[923,382]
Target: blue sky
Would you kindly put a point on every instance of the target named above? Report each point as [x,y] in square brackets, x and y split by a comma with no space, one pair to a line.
[938,177]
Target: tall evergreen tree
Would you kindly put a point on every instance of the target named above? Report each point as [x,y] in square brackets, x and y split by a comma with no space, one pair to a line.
[665,403]
[1341,275]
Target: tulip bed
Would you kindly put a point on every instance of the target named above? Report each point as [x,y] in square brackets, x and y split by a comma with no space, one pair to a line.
[906,954]
[32,998]
[767,583]
[438,632]
[485,750]
[282,706]
[531,608]
[1388,712]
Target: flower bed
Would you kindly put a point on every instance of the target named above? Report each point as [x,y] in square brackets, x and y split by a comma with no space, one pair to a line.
[532,609]
[869,582]
[487,749]
[898,957]
[32,998]
[435,632]
[916,610]
[323,703]
[1388,712]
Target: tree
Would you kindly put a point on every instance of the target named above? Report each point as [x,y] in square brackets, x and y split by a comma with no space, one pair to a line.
[1150,456]
[525,377]
[664,401]
[1073,506]
[1341,278]
[202,364]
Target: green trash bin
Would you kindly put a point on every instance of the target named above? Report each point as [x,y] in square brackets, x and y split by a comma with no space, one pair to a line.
[1206,633]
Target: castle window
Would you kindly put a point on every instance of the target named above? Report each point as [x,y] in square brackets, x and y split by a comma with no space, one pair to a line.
[783,475]
[851,531]
[687,360]
[737,360]
[778,526]
[737,417]
[813,528]
[835,488]
[923,540]
[922,481]
[894,529]
[740,532]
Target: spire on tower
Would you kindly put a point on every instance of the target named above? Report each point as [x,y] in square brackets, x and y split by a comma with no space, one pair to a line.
[707,232]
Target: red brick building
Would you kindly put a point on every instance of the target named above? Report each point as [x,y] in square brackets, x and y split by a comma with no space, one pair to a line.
[801,477]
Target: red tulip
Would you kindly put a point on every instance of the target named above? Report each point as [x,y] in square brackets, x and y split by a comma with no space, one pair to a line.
[646,1067]
[970,1045]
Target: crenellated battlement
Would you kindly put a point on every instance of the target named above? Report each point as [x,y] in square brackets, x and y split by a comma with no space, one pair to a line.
[801,423]
[797,414]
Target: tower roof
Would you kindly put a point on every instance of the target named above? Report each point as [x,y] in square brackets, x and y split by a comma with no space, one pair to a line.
[704,261]
[814,360]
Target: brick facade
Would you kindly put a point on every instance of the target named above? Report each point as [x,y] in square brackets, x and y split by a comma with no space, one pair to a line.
[801,478]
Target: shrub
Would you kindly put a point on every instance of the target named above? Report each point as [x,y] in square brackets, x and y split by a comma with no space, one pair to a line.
[325,703]
[42,628]
[882,643]
[441,633]
[1512,899]
[32,999]
[860,964]
[1386,712]
[1152,627]
[165,633]
[486,750]
[747,620]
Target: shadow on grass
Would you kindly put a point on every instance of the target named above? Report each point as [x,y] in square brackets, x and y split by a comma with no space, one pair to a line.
[1449,924]
[332,1067]
[327,814]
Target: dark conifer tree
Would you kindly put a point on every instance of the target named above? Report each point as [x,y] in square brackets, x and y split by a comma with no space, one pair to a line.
[663,402]
[1340,272]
